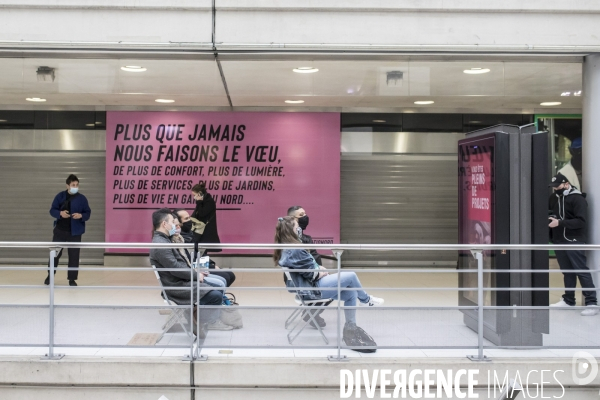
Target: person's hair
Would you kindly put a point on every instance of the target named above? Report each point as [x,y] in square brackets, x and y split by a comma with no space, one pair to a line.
[293,209]
[176,214]
[72,178]
[160,216]
[284,233]
[199,188]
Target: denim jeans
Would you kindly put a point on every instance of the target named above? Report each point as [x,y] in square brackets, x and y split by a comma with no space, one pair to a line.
[347,280]
[576,259]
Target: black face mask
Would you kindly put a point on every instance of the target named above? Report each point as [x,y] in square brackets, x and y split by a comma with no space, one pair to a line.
[559,191]
[186,227]
[303,222]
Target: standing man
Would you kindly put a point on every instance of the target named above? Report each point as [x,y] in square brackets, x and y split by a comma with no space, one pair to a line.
[567,226]
[71,210]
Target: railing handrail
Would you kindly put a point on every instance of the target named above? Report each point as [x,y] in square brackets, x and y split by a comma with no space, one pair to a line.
[273,246]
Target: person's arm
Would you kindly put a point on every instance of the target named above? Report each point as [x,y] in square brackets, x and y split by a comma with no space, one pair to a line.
[87,212]
[55,208]
[579,215]
[303,260]
[167,259]
[206,207]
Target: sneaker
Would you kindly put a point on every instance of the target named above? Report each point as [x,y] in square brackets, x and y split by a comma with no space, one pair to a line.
[320,321]
[218,325]
[72,283]
[373,301]
[47,281]
[590,310]
[561,303]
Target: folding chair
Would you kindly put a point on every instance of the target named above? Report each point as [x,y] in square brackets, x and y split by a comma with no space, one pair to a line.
[177,315]
[304,307]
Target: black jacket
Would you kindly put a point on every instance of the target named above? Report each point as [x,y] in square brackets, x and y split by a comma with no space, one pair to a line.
[571,211]
[206,211]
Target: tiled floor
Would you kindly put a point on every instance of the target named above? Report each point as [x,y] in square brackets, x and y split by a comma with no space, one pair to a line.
[24,318]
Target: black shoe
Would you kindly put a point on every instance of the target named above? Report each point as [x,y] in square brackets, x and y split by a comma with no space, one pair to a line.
[72,283]
[356,337]
[47,281]
[320,321]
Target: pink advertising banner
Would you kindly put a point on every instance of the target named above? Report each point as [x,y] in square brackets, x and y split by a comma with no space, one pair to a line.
[255,165]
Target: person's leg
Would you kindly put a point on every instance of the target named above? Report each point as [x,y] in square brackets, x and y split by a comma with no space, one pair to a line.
[57,236]
[579,261]
[215,280]
[227,275]
[73,271]
[328,285]
[212,298]
[570,279]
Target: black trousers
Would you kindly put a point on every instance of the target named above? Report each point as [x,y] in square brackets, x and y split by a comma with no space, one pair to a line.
[64,236]
[576,260]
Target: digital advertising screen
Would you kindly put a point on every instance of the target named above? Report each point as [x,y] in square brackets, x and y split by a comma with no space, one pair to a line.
[476,210]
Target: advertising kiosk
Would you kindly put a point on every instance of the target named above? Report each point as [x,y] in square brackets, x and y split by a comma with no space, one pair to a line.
[503,199]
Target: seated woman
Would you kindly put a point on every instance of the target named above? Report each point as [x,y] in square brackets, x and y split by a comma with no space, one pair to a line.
[287,232]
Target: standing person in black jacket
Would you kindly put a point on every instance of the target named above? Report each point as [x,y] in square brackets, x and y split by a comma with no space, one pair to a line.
[206,211]
[186,232]
[568,208]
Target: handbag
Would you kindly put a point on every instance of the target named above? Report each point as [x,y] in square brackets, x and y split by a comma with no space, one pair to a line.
[198,226]
[231,316]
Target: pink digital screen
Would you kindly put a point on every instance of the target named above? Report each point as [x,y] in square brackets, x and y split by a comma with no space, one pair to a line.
[255,165]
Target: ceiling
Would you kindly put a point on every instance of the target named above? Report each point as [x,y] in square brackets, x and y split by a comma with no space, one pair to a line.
[511,86]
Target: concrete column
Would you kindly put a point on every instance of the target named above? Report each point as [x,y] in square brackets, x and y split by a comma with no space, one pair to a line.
[591,146]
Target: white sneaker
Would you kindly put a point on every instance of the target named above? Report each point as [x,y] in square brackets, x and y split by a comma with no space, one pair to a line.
[373,301]
[590,311]
[561,304]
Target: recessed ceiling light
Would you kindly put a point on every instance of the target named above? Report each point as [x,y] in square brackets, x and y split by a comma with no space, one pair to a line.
[294,101]
[90,124]
[474,122]
[305,70]
[133,68]
[424,102]
[565,94]
[2,120]
[475,71]
[551,103]
[35,99]
[164,101]
[379,120]
[98,123]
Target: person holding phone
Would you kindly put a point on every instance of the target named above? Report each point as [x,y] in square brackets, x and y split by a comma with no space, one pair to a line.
[71,211]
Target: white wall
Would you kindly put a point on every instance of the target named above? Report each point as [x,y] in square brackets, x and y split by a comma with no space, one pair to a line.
[453,25]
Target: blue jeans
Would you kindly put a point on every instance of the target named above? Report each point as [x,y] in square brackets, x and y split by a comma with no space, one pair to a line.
[347,280]
[216,282]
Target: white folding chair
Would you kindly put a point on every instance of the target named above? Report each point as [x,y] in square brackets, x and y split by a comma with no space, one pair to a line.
[304,307]
[177,315]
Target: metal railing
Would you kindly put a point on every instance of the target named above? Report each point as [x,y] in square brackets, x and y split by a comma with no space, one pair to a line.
[195,346]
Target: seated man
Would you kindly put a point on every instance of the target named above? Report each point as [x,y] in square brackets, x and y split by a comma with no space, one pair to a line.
[188,236]
[170,258]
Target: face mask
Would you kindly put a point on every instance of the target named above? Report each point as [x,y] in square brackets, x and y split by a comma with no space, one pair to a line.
[186,227]
[303,222]
[560,192]
[173,230]
[74,190]
[299,232]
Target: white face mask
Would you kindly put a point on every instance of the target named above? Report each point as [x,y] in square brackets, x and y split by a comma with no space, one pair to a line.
[173,230]
[74,190]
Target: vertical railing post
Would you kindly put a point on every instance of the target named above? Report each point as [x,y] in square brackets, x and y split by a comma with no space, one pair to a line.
[339,357]
[198,356]
[478,254]
[51,355]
